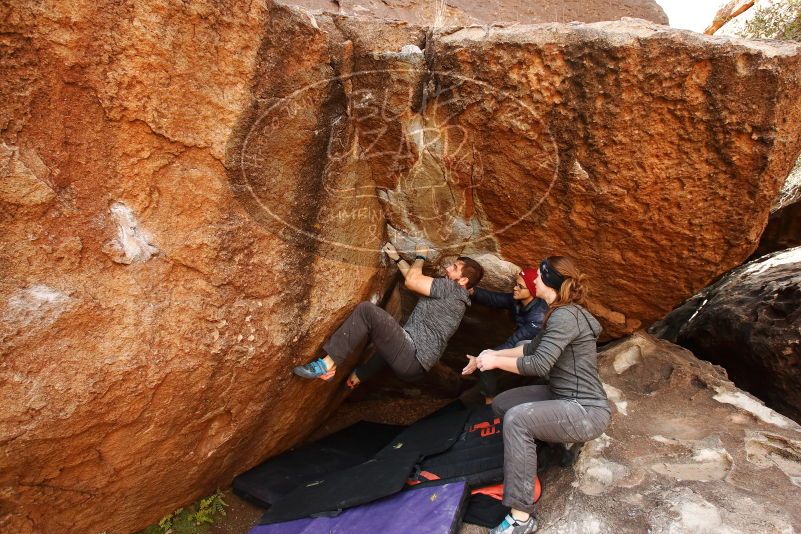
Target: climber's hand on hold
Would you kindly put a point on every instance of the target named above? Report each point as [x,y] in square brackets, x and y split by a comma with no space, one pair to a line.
[391,251]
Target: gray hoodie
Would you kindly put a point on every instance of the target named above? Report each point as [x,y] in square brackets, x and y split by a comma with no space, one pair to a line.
[565,352]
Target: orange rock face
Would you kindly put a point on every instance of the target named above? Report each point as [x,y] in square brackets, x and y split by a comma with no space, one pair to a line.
[193,197]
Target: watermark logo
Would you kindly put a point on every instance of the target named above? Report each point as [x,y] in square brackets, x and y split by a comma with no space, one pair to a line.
[341,165]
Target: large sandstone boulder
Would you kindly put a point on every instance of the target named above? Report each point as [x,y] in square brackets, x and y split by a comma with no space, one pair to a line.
[408,143]
[465,12]
[686,452]
[750,323]
[734,18]
[193,196]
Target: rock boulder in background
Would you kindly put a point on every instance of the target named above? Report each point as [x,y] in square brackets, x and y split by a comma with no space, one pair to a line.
[750,323]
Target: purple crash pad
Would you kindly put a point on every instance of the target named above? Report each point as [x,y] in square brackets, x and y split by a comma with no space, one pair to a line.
[431,509]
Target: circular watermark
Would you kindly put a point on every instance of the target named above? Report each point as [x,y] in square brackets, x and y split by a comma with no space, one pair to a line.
[342,165]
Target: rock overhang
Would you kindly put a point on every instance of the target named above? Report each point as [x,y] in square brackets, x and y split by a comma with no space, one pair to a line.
[699,95]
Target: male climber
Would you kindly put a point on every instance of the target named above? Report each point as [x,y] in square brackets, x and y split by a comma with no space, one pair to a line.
[410,350]
[528,312]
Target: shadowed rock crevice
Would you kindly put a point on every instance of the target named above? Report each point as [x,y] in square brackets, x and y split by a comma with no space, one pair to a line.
[783,231]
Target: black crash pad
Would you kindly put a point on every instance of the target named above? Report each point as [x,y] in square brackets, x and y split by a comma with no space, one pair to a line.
[331,475]
[475,457]
[274,479]
[332,493]
[429,436]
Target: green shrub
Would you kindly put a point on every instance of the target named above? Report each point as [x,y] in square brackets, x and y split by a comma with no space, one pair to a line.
[780,20]
[191,520]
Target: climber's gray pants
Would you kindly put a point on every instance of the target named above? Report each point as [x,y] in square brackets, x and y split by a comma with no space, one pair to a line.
[393,345]
[530,414]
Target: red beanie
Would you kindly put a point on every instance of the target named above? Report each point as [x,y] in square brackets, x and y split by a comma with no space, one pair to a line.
[529,275]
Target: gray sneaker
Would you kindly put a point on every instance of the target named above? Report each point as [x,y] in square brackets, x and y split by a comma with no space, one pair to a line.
[510,525]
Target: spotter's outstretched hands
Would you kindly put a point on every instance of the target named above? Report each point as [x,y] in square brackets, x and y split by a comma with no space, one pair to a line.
[486,361]
[471,366]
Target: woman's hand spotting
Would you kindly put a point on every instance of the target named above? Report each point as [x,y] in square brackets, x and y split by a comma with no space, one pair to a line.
[471,367]
[486,360]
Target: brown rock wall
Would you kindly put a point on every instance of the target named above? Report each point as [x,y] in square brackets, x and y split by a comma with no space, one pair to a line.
[624,162]
[134,382]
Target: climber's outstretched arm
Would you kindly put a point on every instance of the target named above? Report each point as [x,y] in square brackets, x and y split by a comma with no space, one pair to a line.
[415,279]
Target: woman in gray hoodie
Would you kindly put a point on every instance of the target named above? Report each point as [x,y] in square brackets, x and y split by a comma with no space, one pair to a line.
[572,408]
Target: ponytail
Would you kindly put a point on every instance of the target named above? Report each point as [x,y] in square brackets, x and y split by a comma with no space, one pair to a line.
[573,290]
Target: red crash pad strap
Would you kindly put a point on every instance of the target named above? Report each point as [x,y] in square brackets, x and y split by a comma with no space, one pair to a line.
[496,491]
[425,475]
